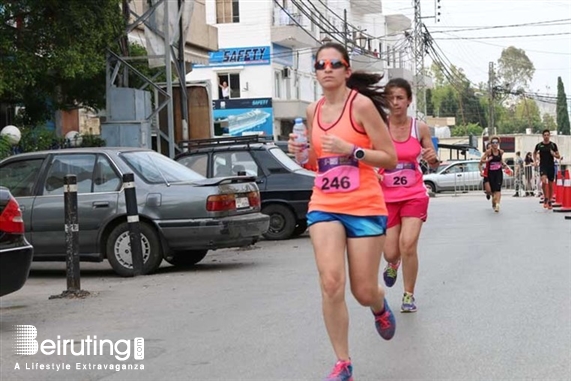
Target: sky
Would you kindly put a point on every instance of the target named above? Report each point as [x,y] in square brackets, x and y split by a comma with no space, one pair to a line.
[551,55]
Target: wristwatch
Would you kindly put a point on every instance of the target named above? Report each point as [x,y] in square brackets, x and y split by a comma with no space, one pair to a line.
[358,153]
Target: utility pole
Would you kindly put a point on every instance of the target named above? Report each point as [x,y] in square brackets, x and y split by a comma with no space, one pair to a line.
[182,73]
[345,29]
[418,46]
[491,97]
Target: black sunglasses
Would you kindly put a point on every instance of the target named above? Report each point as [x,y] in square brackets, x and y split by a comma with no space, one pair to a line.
[333,64]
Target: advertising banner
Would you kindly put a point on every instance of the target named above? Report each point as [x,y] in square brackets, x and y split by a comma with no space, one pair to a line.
[246,116]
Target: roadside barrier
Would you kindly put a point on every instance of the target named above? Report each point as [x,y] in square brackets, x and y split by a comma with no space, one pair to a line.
[566,194]
[71,233]
[133,223]
[559,189]
[71,241]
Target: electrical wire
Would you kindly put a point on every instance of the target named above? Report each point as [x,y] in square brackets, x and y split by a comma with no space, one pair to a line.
[496,37]
[539,23]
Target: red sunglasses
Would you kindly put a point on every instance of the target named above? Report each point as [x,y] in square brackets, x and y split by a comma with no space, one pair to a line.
[333,64]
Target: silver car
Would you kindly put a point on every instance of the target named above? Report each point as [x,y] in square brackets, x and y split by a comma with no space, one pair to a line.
[182,214]
[462,175]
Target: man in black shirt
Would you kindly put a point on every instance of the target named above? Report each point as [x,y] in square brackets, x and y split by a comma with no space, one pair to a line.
[545,152]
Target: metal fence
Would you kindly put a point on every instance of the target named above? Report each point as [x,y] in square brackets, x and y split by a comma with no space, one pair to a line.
[525,183]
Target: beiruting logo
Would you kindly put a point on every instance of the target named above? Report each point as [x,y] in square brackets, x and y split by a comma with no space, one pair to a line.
[27,345]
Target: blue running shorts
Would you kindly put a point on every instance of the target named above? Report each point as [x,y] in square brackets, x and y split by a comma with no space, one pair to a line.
[355,226]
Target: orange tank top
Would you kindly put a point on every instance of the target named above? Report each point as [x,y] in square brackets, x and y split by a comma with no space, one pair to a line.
[343,184]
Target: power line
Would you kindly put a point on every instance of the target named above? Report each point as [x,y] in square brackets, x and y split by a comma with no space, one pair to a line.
[539,23]
[504,46]
[496,37]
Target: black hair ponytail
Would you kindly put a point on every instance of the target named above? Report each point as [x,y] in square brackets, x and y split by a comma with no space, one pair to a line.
[367,84]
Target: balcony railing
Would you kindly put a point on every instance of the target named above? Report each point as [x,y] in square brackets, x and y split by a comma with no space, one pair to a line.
[290,16]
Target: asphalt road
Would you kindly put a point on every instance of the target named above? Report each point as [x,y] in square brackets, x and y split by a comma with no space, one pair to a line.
[494,299]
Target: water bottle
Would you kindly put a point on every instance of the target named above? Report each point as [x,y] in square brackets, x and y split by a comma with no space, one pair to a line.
[300,131]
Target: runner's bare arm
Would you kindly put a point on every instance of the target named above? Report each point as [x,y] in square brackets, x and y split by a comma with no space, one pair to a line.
[555,153]
[536,155]
[295,147]
[484,158]
[429,154]
[310,113]
[383,154]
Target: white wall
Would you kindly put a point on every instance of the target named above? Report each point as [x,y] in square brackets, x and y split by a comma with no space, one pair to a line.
[254,29]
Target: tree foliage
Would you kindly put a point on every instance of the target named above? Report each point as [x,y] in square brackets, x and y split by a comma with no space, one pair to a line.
[53,53]
[455,96]
[549,122]
[468,129]
[515,69]
[563,126]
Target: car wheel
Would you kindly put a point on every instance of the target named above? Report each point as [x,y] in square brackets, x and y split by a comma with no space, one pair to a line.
[118,249]
[282,222]
[300,228]
[186,258]
[430,186]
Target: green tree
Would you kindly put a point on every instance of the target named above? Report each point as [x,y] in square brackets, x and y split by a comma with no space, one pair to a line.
[429,103]
[549,122]
[54,52]
[467,129]
[527,115]
[515,69]
[563,126]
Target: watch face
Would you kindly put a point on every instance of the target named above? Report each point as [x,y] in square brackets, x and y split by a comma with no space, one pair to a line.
[359,154]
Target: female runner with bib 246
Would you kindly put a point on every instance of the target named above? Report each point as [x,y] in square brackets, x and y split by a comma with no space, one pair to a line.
[404,190]
[347,210]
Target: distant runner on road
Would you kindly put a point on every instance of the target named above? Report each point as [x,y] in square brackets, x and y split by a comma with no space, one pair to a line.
[545,152]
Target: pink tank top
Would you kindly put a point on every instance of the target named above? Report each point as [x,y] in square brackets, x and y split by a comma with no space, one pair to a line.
[405,181]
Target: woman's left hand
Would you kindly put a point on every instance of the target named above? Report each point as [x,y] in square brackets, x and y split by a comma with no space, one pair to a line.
[429,156]
[333,144]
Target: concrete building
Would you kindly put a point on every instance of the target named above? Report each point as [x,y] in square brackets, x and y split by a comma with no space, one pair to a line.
[267,52]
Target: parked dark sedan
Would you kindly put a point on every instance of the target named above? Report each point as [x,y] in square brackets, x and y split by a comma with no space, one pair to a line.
[182,214]
[15,251]
[285,186]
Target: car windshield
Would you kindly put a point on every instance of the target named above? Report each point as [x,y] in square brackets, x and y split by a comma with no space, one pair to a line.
[285,159]
[442,167]
[156,168]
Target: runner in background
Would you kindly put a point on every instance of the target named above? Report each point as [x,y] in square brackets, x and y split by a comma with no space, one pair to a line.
[484,174]
[347,212]
[404,190]
[545,152]
[493,159]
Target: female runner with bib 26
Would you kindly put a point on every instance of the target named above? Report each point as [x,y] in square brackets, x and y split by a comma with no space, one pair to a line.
[347,212]
[404,190]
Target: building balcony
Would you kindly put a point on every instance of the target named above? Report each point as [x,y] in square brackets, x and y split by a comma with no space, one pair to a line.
[366,61]
[397,23]
[289,109]
[401,72]
[366,7]
[408,75]
[289,29]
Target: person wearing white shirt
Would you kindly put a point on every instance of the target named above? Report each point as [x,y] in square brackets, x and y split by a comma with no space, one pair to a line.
[225,90]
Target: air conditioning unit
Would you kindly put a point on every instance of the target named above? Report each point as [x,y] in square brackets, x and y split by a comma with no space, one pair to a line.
[286,73]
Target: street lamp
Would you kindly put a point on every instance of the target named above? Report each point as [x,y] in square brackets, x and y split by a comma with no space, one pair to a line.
[361,40]
[326,39]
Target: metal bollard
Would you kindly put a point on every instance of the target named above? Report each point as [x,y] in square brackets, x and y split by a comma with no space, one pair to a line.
[133,222]
[71,233]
